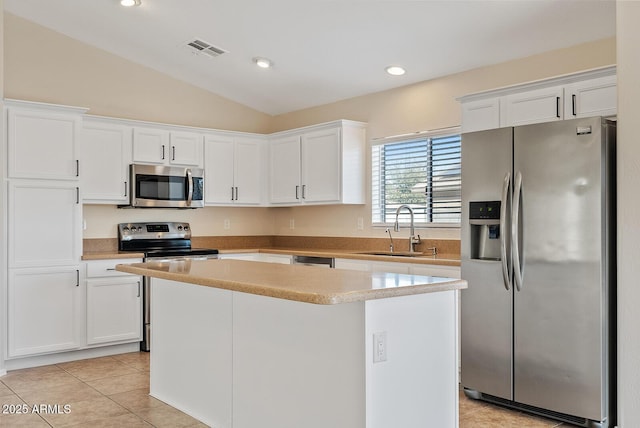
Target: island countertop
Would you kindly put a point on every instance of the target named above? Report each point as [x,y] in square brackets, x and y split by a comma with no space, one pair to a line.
[294,282]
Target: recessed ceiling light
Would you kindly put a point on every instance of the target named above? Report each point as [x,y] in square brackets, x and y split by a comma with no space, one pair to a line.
[129,3]
[395,70]
[263,62]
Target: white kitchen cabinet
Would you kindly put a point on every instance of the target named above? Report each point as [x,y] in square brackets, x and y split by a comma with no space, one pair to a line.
[372,266]
[284,168]
[584,94]
[534,106]
[593,97]
[258,257]
[45,223]
[234,170]
[319,165]
[164,147]
[114,303]
[44,310]
[106,155]
[435,270]
[481,114]
[42,140]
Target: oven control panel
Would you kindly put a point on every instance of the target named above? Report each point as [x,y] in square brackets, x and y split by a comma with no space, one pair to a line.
[169,230]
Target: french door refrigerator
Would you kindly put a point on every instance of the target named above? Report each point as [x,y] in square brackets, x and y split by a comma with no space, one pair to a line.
[538,252]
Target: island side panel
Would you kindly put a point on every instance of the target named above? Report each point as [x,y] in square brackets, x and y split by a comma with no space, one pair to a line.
[416,386]
[297,364]
[191,345]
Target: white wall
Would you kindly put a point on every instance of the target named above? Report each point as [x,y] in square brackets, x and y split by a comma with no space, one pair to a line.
[628,43]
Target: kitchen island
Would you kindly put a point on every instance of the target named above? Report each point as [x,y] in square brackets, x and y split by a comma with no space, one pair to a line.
[248,344]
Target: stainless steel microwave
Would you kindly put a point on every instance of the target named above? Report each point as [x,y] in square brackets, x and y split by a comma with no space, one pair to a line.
[154,186]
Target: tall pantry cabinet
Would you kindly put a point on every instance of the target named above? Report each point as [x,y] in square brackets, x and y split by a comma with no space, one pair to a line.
[43,228]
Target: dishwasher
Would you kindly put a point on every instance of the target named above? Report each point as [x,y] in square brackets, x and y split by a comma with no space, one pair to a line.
[314,261]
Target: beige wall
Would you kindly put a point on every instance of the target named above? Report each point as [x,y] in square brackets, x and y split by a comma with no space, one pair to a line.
[42,65]
[628,35]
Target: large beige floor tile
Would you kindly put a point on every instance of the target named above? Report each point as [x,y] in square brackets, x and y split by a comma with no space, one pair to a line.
[138,360]
[4,390]
[86,411]
[98,369]
[165,416]
[124,383]
[123,421]
[15,413]
[61,394]
[137,399]
[494,417]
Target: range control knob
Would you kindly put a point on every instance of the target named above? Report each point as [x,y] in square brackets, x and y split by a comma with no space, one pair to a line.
[179,227]
[186,227]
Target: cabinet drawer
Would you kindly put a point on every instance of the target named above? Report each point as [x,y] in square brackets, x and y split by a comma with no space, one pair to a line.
[107,268]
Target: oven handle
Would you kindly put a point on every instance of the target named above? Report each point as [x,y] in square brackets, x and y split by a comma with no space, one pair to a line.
[189,187]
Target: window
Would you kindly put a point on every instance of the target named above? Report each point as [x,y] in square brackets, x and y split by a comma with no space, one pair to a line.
[423,173]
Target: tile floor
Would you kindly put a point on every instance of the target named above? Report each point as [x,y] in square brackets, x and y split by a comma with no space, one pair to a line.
[113,392]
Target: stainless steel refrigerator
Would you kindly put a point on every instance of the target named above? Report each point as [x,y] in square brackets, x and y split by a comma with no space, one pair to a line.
[538,251]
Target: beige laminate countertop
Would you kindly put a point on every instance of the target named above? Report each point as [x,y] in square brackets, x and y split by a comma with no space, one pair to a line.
[293,282]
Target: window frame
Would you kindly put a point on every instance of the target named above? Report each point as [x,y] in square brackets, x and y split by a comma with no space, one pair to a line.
[434,134]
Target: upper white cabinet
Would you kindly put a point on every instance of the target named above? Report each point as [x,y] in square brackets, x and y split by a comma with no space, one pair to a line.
[163,147]
[535,106]
[234,170]
[105,159]
[590,93]
[318,165]
[42,141]
[593,97]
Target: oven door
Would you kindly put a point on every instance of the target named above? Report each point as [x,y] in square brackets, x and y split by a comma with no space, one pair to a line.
[166,187]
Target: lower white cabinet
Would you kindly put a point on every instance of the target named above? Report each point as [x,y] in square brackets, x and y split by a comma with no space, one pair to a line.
[259,257]
[45,310]
[114,303]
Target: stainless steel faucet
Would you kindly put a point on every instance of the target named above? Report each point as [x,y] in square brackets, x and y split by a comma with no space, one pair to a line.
[390,239]
[413,239]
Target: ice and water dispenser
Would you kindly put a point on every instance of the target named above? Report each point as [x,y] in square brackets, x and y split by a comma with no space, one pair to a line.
[484,220]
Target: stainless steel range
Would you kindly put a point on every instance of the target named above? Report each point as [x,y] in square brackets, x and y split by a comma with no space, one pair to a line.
[158,241]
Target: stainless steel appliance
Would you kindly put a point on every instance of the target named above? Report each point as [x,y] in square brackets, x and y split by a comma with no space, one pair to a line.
[538,252]
[155,186]
[314,261]
[158,241]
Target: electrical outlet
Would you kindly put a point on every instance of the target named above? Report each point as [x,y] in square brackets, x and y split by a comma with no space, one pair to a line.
[360,223]
[379,347]
[227,224]
[292,223]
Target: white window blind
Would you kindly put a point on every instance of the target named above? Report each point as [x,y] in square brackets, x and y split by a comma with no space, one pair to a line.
[423,173]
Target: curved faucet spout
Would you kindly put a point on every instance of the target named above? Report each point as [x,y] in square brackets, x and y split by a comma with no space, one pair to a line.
[413,239]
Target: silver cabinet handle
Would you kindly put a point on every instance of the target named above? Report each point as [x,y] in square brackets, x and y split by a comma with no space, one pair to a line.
[236,193]
[297,189]
[111,269]
[558,107]
[163,152]
[77,278]
[189,187]
[77,195]
[173,150]
[304,191]
[138,289]
[518,266]
[573,104]
[77,168]
[504,235]
[125,188]
[232,194]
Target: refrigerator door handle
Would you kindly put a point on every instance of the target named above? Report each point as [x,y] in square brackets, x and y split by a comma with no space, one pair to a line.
[518,267]
[506,278]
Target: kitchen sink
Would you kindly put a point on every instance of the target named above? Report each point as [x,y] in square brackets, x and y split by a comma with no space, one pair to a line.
[393,254]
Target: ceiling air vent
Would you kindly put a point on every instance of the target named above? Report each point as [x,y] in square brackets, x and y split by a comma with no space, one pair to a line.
[200,47]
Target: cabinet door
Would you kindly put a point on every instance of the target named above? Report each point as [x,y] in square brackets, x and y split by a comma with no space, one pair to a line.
[186,149]
[45,219]
[114,309]
[349,264]
[42,144]
[249,173]
[106,155]
[150,145]
[218,164]
[321,166]
[540,105]
[480,115]
[285,170]
[44,308]
[594,97]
